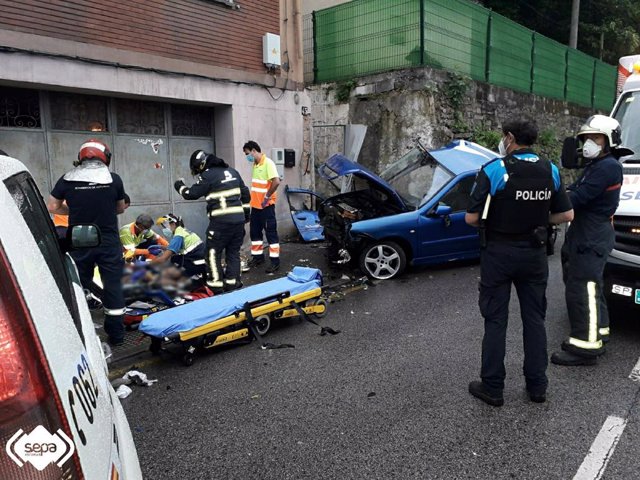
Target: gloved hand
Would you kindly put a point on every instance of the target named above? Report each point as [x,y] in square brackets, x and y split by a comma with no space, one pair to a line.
[129,254]
[265,202]
[179,184]
[155,250]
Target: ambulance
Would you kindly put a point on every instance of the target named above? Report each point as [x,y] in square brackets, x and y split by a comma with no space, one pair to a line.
[622,272]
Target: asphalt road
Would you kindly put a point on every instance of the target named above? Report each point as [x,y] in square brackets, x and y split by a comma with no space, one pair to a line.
[387,398]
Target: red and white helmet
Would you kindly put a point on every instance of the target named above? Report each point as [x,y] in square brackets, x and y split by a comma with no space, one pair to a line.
[95,149]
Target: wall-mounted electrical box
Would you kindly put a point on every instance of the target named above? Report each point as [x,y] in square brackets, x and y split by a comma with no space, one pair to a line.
[271,50]
[277,155]
[289,158]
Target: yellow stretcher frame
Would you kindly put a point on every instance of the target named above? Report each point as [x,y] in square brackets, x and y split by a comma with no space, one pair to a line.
[282,306]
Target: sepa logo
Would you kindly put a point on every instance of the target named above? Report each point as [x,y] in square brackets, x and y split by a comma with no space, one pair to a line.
[40,448]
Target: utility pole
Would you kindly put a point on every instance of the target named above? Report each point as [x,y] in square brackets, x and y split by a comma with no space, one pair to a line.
[575,14]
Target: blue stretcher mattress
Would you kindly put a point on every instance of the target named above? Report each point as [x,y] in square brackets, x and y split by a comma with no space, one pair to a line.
[195,314]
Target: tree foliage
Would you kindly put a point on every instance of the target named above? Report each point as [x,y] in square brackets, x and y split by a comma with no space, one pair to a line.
[608,29]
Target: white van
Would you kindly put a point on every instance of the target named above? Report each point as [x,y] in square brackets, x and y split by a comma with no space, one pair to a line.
[622,272]
[59,415]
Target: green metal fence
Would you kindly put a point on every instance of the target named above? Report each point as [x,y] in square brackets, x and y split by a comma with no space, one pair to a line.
[362,37]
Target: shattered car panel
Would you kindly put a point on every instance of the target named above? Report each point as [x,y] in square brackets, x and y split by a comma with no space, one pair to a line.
[412,213]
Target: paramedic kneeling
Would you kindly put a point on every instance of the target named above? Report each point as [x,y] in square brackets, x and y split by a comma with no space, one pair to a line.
[513,201]
[186,250]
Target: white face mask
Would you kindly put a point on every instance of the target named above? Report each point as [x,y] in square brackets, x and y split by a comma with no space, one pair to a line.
[591,149]
[502,148]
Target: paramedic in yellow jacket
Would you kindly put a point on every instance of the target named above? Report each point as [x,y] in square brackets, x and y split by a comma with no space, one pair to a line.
[137,237]
[186,249]
[264,183]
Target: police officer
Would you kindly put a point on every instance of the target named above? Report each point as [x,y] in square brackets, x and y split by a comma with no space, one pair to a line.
[513,200]
[95,195]
[590,238]
[228,209]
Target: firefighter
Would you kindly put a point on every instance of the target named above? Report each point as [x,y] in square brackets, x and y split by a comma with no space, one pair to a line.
[94,195]
[186,250]
[137,237]
[589,239]
[513,201]
[228,210]
[264,183]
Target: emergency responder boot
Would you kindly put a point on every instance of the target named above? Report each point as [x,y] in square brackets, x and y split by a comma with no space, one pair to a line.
[572,360]
[537,397]
[274,267]
[478,390]
[255,261]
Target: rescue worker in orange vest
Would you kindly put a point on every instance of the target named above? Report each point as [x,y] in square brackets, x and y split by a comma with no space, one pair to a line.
[264,183]
[137,237]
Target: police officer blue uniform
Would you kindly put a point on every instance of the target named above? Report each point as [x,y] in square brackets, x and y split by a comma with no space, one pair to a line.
[517,196]
[228,209]
[589,239]
[95,195]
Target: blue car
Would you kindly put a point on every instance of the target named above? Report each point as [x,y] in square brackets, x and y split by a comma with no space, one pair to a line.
[413,213]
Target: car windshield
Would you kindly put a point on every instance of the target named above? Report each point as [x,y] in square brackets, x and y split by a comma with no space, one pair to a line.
[416,177]
[628,114]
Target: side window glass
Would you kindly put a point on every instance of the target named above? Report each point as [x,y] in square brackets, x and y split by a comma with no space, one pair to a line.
[27,197]
[458,197]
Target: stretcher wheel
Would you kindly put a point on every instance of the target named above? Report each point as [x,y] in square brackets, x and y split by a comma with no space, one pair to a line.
[320,301]
[263,323]
[188,359]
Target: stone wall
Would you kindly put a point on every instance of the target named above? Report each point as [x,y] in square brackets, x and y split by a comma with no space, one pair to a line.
[433,105]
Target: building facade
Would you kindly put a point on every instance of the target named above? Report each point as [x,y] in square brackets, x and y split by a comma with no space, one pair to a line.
[155,81]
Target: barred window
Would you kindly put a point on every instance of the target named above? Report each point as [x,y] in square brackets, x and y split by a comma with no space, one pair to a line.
[190,121]
[19,108]
[84,113]
[144,118]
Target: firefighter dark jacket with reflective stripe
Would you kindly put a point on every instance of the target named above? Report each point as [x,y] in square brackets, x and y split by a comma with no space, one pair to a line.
[597,191]
[226,194]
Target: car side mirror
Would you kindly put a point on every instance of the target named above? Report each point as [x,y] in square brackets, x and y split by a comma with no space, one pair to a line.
[84,236]
[443,210]
[570,157]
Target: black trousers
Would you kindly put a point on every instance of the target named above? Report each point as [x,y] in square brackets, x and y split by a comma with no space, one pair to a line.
[224,241]
[503,264]
[584,255]
[193,262]
[110,265]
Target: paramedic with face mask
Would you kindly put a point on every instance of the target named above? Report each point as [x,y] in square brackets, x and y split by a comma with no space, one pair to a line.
[185,250]
[513,200]
[589,239]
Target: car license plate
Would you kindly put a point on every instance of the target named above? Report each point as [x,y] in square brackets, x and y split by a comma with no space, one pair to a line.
[625,291]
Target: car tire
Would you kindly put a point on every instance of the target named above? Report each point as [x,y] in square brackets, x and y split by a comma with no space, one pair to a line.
[383,260]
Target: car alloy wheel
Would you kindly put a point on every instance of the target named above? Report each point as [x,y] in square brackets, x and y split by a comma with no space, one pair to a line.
[383,260]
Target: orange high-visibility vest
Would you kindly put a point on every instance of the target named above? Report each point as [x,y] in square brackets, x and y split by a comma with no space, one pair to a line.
[261,177]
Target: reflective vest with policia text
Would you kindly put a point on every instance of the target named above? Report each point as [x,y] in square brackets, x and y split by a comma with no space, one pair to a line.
[261,176]
[191,241]
[520,210]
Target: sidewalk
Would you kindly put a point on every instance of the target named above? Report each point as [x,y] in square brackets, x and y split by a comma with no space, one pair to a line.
[292,253]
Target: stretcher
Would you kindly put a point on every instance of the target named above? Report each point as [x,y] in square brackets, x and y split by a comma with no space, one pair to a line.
[241,315]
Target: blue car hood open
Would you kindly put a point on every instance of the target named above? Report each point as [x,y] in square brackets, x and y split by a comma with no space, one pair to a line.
[338,166]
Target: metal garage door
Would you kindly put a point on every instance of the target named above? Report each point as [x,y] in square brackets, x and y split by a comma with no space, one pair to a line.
[151,143]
